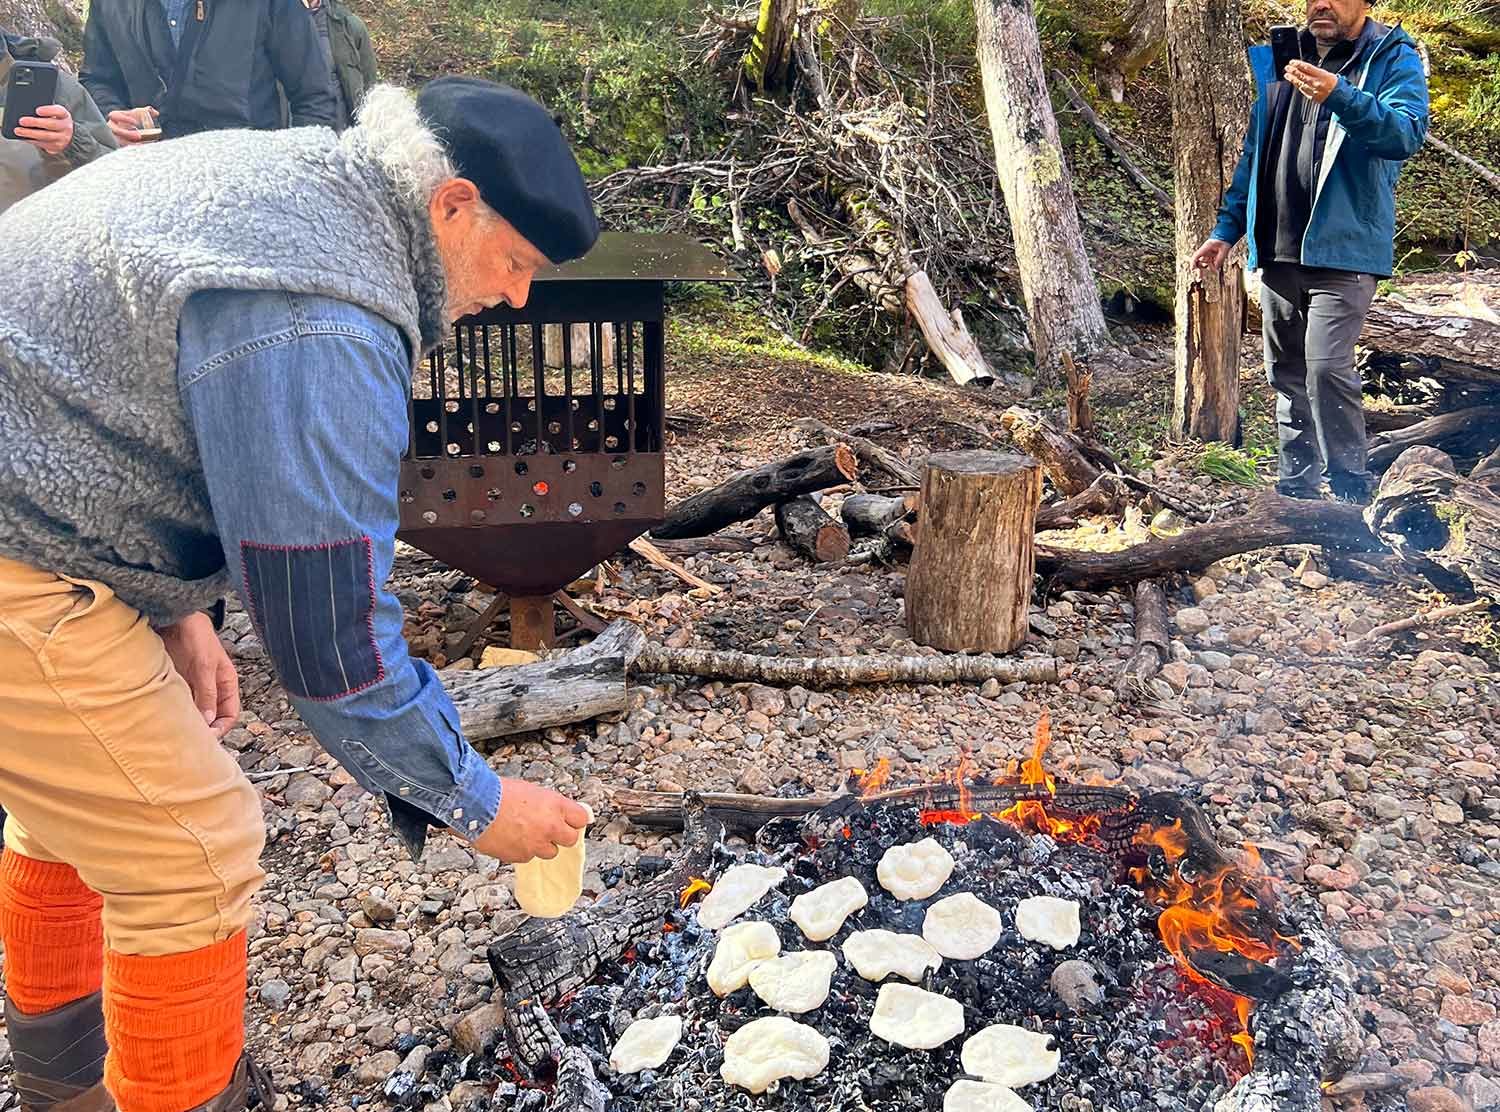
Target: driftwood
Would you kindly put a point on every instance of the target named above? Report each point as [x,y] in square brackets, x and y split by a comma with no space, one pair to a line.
[586,683]
[1105,495]
[1465,433]
[1270,520]
[871,456]
[1153,642]
[543,960]
[842,671]
[1061,454]
[868,514]
[1451,318]
[807,528]
[747,493]
[1445,526]
[1101,131]
[969,586]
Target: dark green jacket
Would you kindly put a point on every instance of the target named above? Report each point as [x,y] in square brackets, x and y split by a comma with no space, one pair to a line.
[353,57]
[23,168]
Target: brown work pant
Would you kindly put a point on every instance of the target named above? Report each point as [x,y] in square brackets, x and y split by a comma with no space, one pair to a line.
[108,766]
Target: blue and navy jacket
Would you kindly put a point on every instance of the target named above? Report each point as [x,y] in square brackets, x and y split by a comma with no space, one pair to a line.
[1379,121]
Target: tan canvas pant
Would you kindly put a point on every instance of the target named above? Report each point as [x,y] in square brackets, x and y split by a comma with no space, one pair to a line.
[106,765]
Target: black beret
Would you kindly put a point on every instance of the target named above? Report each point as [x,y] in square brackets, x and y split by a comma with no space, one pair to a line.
[512,149]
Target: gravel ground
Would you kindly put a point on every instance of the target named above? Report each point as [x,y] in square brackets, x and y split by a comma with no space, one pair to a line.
[1367,776]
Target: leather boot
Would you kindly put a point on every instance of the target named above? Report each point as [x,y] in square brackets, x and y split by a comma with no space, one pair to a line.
[249,1081]
[59,1057]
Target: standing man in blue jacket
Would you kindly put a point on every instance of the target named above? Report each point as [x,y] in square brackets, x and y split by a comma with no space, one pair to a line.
[1315,193]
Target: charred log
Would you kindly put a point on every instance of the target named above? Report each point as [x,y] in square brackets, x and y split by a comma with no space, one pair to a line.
[752,490]
[807,528]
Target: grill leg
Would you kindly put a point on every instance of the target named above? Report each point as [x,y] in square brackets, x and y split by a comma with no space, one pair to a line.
[479,625]
[532,623]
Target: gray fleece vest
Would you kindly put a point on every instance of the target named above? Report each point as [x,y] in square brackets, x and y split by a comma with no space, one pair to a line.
[99,470]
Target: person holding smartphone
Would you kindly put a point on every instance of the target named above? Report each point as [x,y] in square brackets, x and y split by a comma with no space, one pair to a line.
[58,138]
[1315,196]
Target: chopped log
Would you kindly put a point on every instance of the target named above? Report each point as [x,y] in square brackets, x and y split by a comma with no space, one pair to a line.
[843,671]
[1105,495]
[1101,131]
[871,456]
[807,528]
[1271,519]
[946,333]
[1061,455]
[1452,317]
[545,959]
[1445,526]
[577,1089]
[583,684]
[1153,642]
[752,490]
[1464,433]
[869,514]
[969,587]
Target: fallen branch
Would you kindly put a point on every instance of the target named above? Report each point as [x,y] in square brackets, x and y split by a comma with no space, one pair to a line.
[653,555]
[585,618]
[871,456]
[1445,526]
[843,671]
[1484,172]
[1152,640]
[1430,617]
[1105,495]
[1463,432]
[1270,520]
[697,546]
[752,490]
[1111,144]
[947,335]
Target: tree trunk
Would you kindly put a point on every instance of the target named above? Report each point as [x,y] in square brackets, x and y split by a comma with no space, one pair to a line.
[1444,526]
[752,490]
[1210,106]
[969,587]
[1062,298]
[808,529]
[1133,44]
[768,63]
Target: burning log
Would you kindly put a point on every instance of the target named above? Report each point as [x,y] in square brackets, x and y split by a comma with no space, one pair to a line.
[807,528]
[867,515]
[1444,526]
[843,671]
[1062,455]
[747,493]
[1153,641]
[545,959]
[1270,520]
[969,587]
[1465,433]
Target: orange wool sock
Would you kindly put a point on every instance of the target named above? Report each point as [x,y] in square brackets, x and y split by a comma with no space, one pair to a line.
[176,1026]
[54,941]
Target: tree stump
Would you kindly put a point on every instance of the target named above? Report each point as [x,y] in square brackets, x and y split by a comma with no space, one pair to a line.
[969,586]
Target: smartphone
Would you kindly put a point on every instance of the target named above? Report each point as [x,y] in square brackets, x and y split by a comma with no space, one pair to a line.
[30,86]
[1286,48]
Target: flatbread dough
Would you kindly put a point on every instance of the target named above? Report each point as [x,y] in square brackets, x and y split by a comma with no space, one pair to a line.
[877,954]
[735,893]
[646,1044]
[1010,1055]
[795,983]
[982,1096]
[962,927]
[1049,920]
[549,889]
[741,949]
[915,871]
[766,1050]
[915,1018]
[821,912]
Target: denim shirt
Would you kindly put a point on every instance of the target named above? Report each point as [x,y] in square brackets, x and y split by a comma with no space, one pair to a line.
[299,408]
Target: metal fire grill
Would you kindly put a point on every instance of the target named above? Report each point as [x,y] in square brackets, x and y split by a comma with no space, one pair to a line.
[537,434]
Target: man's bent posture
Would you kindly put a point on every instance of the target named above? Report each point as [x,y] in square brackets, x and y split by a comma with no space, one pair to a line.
[197,394]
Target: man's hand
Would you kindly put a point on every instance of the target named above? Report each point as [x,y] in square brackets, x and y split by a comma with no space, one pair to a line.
[1313,82]
[1211,255]
[50,130]
[126,123]
[200,659]
[533,822]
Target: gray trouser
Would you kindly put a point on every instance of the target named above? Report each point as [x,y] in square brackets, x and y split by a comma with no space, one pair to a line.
[1311,319]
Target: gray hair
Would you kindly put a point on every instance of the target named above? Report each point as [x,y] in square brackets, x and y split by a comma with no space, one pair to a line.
[391,130]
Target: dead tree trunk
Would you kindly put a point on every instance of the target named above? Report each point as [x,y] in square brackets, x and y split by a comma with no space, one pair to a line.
[969,587]
[808,529]
[1062,299]
[769,61]
[1134,43]
[1444,526]
[1210,105]
[752,490]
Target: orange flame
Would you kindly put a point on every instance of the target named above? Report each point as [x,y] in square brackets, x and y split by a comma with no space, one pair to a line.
[872,781]
[695,885]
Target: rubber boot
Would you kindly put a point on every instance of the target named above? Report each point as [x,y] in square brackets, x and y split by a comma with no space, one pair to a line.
[59,1057]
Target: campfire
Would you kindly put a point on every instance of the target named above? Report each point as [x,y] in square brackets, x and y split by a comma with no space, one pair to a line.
[968,946]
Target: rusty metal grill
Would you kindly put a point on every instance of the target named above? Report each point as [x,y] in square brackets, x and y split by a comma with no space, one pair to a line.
[537,434]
